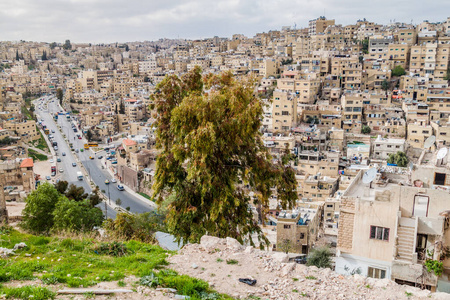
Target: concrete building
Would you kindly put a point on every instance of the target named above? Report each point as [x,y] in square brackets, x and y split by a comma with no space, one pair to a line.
[382,148]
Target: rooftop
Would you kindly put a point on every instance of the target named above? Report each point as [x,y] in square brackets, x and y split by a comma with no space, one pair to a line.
[26,163]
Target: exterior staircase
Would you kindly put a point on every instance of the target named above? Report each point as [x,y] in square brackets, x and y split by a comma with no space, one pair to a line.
[405,246]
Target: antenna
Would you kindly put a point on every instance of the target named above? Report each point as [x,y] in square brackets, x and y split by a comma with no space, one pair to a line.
[442,153]
[429,142]
[369,175]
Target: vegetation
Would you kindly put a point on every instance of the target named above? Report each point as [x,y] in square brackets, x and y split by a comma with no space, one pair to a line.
[59,95]
[320,258]
[400,159]
[210,143]
[398,71]
[41,143]
[365,129]
[285,246]
[385,85]
[447,76]
[365,46]
[47,209]
[36,156]
[287,61]
[139,227]
[6,141]
[435,266]
[82,261]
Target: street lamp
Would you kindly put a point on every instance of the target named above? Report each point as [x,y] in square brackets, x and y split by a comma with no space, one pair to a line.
[109,198]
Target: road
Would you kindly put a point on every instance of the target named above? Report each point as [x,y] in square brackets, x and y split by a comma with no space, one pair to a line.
[94,168]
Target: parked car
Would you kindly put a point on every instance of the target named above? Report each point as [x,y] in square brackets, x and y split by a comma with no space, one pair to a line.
[74,164]
[100,157]
[114,180]
[120,187]
[61,170]
[48,178]
[58,159]
[114,162]
[51,160]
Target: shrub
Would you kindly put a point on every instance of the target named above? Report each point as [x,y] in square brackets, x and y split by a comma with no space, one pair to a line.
[112,248]
[320,258]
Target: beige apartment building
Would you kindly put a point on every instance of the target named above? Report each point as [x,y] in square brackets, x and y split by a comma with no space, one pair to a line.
[386,230]
[299,228]
[284,111]
[417,133]
[319,25]
[352,112]
[25,130]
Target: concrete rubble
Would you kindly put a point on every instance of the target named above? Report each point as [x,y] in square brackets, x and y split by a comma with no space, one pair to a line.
[279,279]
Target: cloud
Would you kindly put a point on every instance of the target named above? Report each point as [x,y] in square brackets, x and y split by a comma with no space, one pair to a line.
[131,20]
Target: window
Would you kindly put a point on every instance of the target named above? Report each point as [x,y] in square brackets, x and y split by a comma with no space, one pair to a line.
[302,235]
[287,226]
[379,233]
[376,273]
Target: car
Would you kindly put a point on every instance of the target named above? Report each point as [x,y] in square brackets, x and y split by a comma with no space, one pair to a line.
[91,157]
[79,137]
[120,187]
[74,164]
[76,150]
[114,162]
[64,154]
[61,170]
[100,157]
[301,259]
[56,148]
[48,178]
[58,159]
[53,130]
[109,158]
[106,181]
[113,180]
[51,160]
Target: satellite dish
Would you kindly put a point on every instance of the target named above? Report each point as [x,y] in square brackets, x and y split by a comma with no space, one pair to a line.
[369,175]
[429,142]
[442,153]
[411,166]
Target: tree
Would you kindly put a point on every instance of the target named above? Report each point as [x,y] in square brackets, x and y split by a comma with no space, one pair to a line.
[399,158]
[320,258]
[89,135]
[53,45]
[76,216]
[17,55]
[67,45]
[210,144]
[447,76]
[285,246]
[44,55]
[385,85]
[365,46]
[94,197]
[365,129]
[60,95]
[37,214]
[76,193]
[118,202]
[398,71]
[61,186]
[122,108]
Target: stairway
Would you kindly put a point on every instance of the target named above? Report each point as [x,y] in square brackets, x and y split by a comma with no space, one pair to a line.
[405,247]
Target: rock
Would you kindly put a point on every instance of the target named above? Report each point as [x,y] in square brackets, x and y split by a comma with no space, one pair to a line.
[182,297]
[248,249]
[287,268]
[194,266]
[280,257]
[233,244]
[19,246]
[210,243]
[359,279]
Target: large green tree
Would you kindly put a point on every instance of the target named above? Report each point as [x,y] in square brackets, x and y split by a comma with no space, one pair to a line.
[37,214]
[59,95]
[76,216]
[211,148]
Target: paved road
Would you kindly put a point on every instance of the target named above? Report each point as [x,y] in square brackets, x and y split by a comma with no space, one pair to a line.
[69,173]
[93,167]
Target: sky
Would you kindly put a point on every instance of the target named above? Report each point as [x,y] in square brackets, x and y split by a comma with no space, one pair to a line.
[105,21]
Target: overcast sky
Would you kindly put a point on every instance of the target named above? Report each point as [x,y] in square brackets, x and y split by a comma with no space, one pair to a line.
[101,21]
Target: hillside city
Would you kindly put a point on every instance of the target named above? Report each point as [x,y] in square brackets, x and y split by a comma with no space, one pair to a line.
[362,109]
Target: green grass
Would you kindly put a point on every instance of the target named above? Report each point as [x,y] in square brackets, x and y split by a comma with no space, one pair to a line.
[28,292]
[83,262]
[310,277]
[145,195]
[36,156]
[232,262]
[41,144]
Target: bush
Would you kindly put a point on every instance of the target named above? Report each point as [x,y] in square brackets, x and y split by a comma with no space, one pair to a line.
[398,71]
[366,129]
[112,249]
[320,258]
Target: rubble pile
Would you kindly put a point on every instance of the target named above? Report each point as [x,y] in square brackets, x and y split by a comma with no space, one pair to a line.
[222,262]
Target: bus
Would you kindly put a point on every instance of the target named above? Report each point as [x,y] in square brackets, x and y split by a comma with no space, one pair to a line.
[93,144]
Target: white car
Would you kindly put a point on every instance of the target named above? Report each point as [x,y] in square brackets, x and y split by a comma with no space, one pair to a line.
[113,180]
[61,170]
[51,160]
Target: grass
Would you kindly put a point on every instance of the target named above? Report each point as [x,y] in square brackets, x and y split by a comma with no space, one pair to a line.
[145,196]
[311,277]
[41,144]
[36,156]
[219,260]
[232,262]
[82,261]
